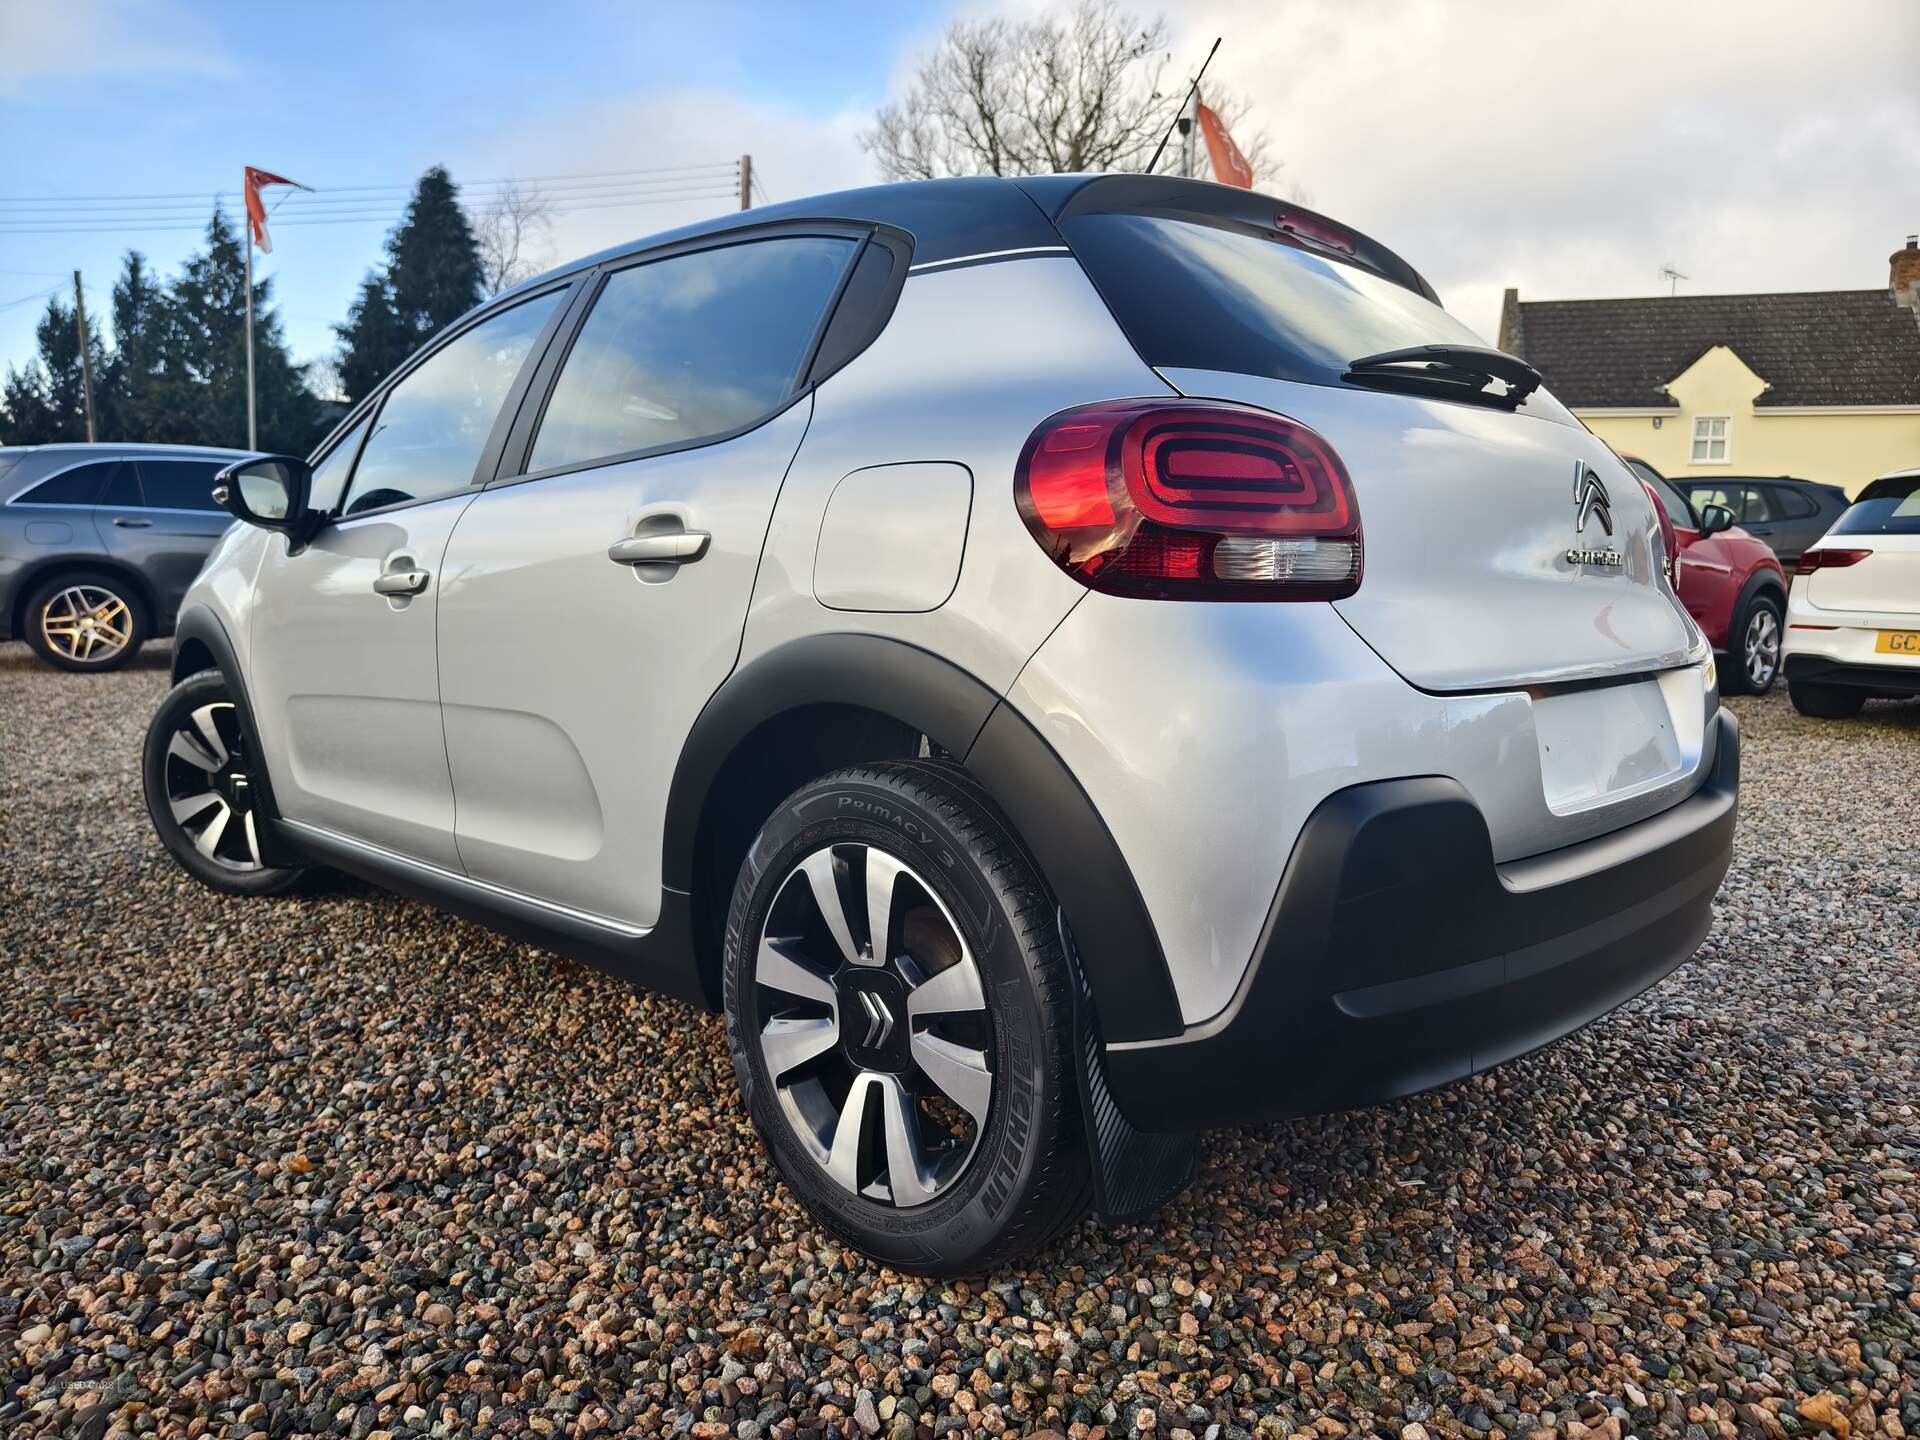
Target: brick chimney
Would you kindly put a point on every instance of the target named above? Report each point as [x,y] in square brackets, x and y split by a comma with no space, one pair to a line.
[1903,276]
[1512,339]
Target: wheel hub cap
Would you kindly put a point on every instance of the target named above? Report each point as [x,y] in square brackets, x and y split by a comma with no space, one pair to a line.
[209,789]
[873,1025]
[86,623]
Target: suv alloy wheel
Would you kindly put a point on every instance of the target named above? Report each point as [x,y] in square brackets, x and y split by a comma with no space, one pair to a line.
[86,621]
[898,1007]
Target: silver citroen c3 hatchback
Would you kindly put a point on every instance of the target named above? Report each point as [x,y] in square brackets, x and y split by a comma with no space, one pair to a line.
[1061,663]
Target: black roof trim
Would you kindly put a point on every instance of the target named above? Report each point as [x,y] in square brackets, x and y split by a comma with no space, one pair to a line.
[1064,196]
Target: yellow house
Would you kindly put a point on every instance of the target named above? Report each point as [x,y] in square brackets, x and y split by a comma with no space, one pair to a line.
[1822,385]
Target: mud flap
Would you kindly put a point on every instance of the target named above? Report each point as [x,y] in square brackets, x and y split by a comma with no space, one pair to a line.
[1134,1173]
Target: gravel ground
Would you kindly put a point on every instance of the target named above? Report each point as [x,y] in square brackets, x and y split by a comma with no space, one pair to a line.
[342,1165]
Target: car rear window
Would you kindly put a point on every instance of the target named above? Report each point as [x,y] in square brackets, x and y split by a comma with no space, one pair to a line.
[1886,507]
[1228,296]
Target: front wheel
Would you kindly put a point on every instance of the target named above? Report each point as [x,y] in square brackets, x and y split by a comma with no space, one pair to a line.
[1756,645]
[1826,702]
[899,1011]
[201,773]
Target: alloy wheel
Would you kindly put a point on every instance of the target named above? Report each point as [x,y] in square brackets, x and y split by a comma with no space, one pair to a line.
[211,789]
[1762,657]
[874,1027]
[87,624]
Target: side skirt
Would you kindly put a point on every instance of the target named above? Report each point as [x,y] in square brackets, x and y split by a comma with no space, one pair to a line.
[658,959]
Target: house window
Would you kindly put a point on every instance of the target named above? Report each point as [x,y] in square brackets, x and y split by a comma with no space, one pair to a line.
[1709,439]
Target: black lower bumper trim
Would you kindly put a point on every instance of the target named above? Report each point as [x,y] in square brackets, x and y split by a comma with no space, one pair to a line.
[1399,956]
[1881,679]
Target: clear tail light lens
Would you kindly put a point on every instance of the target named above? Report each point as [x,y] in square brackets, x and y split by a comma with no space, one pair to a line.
[1813,560]
[1191,499]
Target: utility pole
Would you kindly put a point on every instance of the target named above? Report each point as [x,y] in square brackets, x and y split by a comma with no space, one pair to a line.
[1189,124]
[746,182]
[86,351]
[252,442]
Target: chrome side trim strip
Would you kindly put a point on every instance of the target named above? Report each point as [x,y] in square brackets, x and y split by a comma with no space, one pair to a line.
[986,255]
[448,879]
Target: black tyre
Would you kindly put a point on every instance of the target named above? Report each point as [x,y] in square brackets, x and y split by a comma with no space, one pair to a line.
[200,772]
[86,620]
[1826,702]
[1753,646]
[922,1105]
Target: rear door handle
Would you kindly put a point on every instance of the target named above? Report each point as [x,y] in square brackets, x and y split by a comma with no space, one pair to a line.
[401,582]
[676,547]
[126,524]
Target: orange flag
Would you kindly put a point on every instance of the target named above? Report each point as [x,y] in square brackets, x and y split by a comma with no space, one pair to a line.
[257,212]
[1230,167]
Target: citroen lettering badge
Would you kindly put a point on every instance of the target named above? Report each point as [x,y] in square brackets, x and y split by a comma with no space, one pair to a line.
[1590,499]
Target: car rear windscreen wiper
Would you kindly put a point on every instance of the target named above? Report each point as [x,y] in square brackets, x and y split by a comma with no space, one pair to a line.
[1449,372]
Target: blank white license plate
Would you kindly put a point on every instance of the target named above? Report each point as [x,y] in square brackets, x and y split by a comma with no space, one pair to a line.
[1601,745]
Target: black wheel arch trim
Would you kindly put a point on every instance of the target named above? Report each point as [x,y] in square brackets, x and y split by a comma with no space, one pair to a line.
[1052,815]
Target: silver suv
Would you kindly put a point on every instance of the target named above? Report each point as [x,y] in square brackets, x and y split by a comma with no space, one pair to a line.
[1062,663]
[99,542]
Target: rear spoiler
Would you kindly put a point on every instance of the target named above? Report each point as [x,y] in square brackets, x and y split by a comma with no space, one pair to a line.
[1061,197]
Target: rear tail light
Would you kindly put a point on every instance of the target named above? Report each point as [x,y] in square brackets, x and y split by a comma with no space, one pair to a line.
[1191,500]
[1813,560]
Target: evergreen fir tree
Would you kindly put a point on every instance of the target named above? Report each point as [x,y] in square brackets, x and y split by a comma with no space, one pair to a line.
[434,260]
[374,340]
[46,402]
[433,275]
[141,384]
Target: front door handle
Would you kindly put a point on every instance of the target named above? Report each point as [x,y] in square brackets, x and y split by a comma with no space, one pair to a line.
[401,582]
[676,547]
[126,524]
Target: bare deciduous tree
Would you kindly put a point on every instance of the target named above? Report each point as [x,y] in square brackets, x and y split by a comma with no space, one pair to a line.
[1088,91]
[515,233]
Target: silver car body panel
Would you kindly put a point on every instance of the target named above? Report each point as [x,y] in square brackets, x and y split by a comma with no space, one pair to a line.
[1207,734]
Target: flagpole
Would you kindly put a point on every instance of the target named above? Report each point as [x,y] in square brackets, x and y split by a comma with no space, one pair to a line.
[252,441]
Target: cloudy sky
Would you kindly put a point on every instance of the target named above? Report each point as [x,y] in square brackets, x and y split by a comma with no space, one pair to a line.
[1569,149]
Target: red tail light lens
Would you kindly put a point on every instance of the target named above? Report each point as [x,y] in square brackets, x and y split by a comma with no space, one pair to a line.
[1813,560]
[1191,500]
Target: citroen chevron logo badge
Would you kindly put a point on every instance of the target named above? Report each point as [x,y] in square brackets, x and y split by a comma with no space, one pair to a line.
[1590,499]
[879,1019]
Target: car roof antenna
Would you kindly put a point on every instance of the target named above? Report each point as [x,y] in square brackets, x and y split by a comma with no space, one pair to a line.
[1162,148]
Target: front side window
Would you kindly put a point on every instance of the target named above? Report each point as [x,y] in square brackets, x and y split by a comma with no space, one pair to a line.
[1670,499]
[688,347]
[329,481]
[78,486]
[1732,499]
[432,427]
[1709,440]
[179,484]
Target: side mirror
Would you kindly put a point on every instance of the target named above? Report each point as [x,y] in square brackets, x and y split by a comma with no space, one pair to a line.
[270,492]
[1714,519]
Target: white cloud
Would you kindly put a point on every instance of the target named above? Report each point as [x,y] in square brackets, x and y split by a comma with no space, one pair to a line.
[1572,149]
[794,154]
[45,41]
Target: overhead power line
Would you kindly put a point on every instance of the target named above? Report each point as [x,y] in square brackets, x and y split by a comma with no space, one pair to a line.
[726,166]
[290,216]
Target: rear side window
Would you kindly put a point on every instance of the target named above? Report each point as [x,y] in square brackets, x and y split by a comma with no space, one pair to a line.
[1886,507]
[179,484]
[433,426]
[78,486]
[1226,296]
[1792,504]
[689,347]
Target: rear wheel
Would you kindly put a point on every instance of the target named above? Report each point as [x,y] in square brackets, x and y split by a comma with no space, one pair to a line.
[898,1007]
[202,780]
[1826,702]
[86,621]
[1756,643]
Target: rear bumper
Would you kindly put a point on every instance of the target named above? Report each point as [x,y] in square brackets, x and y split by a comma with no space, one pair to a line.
[1399,956]
[1884,679]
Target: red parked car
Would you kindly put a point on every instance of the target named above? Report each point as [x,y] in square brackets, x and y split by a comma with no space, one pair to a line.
[1729,581]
